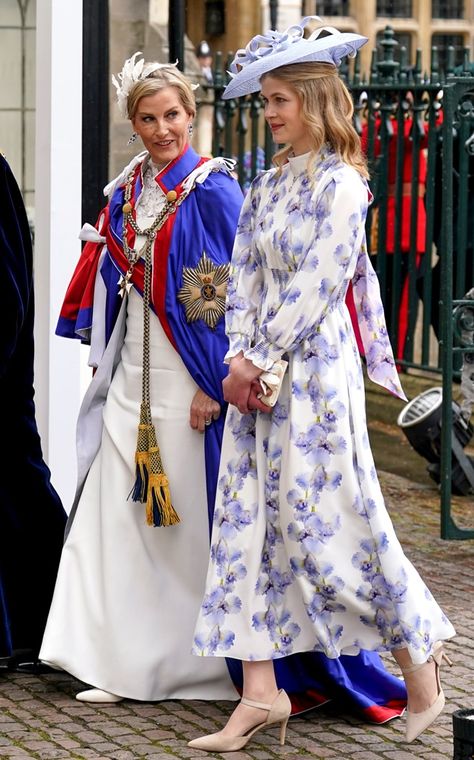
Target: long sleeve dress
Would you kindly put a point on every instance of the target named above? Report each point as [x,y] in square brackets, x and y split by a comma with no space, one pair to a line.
[304,556]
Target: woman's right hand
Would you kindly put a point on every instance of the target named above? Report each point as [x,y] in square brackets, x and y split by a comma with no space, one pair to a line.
[241,386]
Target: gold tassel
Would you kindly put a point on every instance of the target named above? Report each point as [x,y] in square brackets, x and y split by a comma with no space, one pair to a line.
[142,459]
[142,469]
[159,509]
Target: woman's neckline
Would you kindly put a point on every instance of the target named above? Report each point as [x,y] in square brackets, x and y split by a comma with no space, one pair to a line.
[156,168]
[299,163]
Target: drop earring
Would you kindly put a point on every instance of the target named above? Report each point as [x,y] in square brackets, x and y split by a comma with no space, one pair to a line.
[132,138]
[190,129]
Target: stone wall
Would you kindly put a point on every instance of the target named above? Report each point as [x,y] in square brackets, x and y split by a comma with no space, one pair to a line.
[136,25]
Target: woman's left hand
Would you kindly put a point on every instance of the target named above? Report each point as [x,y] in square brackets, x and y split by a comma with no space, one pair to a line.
[204,410]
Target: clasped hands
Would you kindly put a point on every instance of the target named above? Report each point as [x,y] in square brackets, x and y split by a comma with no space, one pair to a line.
[241,386]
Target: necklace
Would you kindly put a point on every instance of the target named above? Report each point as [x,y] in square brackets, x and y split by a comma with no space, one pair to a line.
[133,255]
[151,484]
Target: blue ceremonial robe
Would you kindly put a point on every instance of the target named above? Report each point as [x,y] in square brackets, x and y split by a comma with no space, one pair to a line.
[31,515]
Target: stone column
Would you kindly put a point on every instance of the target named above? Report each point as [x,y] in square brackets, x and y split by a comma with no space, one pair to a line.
[57,223]
[423,38]
[128,28]
[243,21]
[365,11]
[289,12]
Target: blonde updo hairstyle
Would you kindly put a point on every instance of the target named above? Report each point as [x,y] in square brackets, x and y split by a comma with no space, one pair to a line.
[166,76]
[326,110]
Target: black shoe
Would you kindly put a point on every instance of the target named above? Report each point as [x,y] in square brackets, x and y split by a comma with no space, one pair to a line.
[36,667]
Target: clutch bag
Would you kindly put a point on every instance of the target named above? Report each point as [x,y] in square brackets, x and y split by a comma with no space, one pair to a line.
[270,382]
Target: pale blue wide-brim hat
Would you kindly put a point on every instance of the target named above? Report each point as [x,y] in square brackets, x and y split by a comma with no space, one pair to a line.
[271,50]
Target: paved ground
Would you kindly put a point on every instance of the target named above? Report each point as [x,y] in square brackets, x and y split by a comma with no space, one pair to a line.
[39,717]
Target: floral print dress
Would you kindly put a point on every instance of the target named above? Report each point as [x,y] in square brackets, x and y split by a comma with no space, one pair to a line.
[304,556]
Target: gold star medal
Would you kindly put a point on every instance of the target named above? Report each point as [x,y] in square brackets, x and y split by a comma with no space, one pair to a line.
[203,292]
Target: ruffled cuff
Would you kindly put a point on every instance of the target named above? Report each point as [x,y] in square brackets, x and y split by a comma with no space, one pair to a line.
[237,342]
[263,355]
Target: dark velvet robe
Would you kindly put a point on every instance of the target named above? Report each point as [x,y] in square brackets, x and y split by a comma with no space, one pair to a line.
[32,518]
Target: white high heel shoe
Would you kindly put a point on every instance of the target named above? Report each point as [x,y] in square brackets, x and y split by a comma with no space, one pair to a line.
[97,695]
[418,722]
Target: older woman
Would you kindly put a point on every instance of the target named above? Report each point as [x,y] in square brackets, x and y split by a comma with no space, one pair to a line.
[127,595]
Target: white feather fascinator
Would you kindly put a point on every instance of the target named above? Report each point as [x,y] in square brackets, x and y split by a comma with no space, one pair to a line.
[134,71]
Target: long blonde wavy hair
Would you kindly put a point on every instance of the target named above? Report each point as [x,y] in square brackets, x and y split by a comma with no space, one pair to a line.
[326,110]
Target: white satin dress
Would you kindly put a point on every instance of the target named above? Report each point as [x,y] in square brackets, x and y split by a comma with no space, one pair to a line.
[127,595]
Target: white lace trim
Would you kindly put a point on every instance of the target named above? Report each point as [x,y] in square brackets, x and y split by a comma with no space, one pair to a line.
[152,198]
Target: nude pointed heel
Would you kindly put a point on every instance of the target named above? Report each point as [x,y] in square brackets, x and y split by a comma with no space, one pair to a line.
[418,722]
[283,726]
[278,712]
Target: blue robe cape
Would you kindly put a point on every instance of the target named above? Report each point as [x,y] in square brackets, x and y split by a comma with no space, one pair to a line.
[206,222]
[31,515]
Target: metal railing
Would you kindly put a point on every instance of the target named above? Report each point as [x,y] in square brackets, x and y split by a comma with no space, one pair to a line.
[417,129]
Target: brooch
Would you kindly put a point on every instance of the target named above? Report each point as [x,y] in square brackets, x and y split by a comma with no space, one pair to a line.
[204,290]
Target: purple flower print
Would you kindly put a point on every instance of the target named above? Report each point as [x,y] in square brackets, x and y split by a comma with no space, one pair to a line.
[228,565]
[312,532]
[272,585]
[324,479]
[354,223]
[232,518]
[366,508]
[280,413]
[319,444]
[290,251]
[343,254]
[299,501]
[326,289]
[217,604]
[319,355]
[291,295]
[282,631]
[418,633]
[242,427]
[321,606]
[217,639]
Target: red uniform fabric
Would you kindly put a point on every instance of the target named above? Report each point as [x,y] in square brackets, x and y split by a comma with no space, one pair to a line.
[407,219]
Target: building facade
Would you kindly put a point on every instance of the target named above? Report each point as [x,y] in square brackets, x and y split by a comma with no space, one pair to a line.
[418,24]
[17,93]
[228,24]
